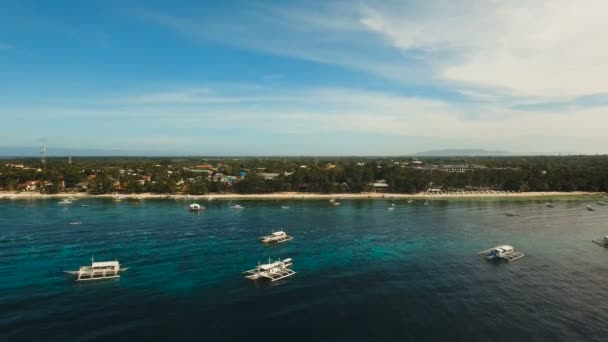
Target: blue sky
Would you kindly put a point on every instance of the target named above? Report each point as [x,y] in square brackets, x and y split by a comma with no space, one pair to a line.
[304,78]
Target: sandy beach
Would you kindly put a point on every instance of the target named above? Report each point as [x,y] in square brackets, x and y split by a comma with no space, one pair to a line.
[307,196]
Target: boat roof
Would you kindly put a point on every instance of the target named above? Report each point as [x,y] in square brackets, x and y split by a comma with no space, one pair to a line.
[280,232]
[194,205]
[268,266]
[106,264]
[503,247]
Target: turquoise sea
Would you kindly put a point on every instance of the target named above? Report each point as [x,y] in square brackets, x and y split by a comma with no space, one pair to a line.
[364,273]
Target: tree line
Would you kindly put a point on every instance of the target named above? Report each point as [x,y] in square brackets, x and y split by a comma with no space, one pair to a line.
[320,175]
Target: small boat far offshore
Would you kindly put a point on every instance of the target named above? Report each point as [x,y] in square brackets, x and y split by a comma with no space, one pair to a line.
[273,270]
[590,208]
[276,237]
[195,207]
[502,252]
[98,270]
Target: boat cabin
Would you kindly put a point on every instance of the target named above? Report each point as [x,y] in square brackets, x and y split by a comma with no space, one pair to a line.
[502,252]
[98,270]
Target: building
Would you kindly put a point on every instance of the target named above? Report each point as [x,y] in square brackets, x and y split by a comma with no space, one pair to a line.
[457,168]
[204,167]
[268,175]
[380,186]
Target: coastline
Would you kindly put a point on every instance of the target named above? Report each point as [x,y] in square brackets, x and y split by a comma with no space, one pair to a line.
[306,196]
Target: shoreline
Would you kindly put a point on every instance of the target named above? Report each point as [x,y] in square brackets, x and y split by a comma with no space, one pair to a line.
[305,196]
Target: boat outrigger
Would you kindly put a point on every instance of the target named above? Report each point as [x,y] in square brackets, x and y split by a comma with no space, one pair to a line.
[273,270]
[276,237]
[603,242]
[502,252]
[98,270]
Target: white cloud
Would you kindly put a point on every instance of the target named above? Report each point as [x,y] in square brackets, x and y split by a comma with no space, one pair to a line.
[318,113]
[4,46]
[524,48]
[531,48]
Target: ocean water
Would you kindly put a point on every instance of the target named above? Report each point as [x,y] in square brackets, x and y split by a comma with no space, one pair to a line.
[364,273]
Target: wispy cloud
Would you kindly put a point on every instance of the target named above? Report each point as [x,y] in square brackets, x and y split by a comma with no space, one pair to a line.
[542,48]
[5,46]
[317,113]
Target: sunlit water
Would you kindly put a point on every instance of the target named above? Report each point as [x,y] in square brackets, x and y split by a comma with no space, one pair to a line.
[364,273]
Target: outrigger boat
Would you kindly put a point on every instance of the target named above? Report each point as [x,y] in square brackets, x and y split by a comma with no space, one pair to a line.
[98,270]
[273,270]
[195,207]
[502,252]
[603,242]
[276,237]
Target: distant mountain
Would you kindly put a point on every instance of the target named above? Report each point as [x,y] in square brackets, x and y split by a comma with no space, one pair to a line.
[461,153]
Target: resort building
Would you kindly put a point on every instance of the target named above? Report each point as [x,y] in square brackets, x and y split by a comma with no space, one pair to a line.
[380,186]
[459,168]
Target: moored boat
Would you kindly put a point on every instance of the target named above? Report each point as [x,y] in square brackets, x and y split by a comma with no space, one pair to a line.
[273,270]
[276,237]
[195,207]
[502,252]
[98,270]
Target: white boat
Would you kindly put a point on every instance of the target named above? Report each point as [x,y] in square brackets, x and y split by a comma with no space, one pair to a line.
[426,202]
[390,208]
[336,203]
[237,207]
[332,200]
[511,213]
[603,242]
[590,208]
[504,252]
[117,198]
[276,237]
[195,207]
[410,201]
[71,198]
[98,270]
[549,204]
[273,270]
[65,201]
[75,223]
[284,207]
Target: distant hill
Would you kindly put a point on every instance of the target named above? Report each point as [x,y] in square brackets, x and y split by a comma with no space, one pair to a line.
[461,153]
